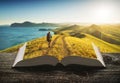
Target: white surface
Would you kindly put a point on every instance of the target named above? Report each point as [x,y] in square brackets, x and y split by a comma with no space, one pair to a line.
[20,54]
[98,54]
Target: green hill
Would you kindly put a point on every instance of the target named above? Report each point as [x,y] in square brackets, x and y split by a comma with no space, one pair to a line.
[73,40]
[108,33]
[65,45]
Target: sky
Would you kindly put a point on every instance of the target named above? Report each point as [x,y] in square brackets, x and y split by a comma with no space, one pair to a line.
[59,11]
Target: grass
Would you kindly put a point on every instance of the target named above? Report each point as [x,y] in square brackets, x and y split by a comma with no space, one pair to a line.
[61,46]
[105,47]
[110,33]
[70,42]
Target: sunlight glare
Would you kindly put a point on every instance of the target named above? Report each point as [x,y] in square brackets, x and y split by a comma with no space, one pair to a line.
[103,13]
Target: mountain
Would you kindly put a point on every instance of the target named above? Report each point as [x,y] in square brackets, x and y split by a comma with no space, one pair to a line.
[73,28]
[30,24]
[108,33]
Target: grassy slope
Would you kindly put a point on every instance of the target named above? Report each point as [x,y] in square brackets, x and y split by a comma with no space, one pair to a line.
[93,34]
[111,33]
[61,46]
[108,33]
[64,45]
[104,46]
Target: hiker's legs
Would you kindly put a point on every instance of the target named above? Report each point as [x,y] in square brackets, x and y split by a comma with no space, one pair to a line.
[49,44]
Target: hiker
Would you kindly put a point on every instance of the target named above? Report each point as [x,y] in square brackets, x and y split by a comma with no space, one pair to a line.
[49,38]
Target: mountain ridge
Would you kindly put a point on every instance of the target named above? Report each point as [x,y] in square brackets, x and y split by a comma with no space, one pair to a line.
[108,33]
[31,24]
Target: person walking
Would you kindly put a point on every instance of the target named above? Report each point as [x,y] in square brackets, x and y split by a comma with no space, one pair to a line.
[49,39]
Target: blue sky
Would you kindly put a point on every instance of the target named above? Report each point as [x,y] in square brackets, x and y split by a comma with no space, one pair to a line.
[84,11]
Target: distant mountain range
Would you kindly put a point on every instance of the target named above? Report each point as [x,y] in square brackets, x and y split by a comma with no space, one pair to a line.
[30,24]
[108,33]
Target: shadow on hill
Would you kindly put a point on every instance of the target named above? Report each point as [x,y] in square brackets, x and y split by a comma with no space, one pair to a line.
[58,67]
[77,34]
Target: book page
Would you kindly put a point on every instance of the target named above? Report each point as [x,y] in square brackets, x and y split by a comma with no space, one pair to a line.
[60,47]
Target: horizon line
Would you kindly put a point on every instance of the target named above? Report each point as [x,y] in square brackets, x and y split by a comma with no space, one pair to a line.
[66,22]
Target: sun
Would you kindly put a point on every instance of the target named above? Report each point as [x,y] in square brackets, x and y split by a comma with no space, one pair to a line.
[102,14]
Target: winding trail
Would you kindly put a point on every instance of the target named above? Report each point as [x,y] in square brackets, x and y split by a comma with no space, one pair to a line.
[52,44]
[65,46]
[54,41]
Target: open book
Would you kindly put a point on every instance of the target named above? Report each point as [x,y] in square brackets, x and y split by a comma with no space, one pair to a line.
[51,60]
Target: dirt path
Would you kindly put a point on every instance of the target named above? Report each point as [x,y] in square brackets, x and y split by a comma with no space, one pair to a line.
[65,46]
[54,41]
[52,44]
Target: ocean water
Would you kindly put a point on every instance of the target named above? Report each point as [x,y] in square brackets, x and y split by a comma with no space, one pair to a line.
[10,36]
